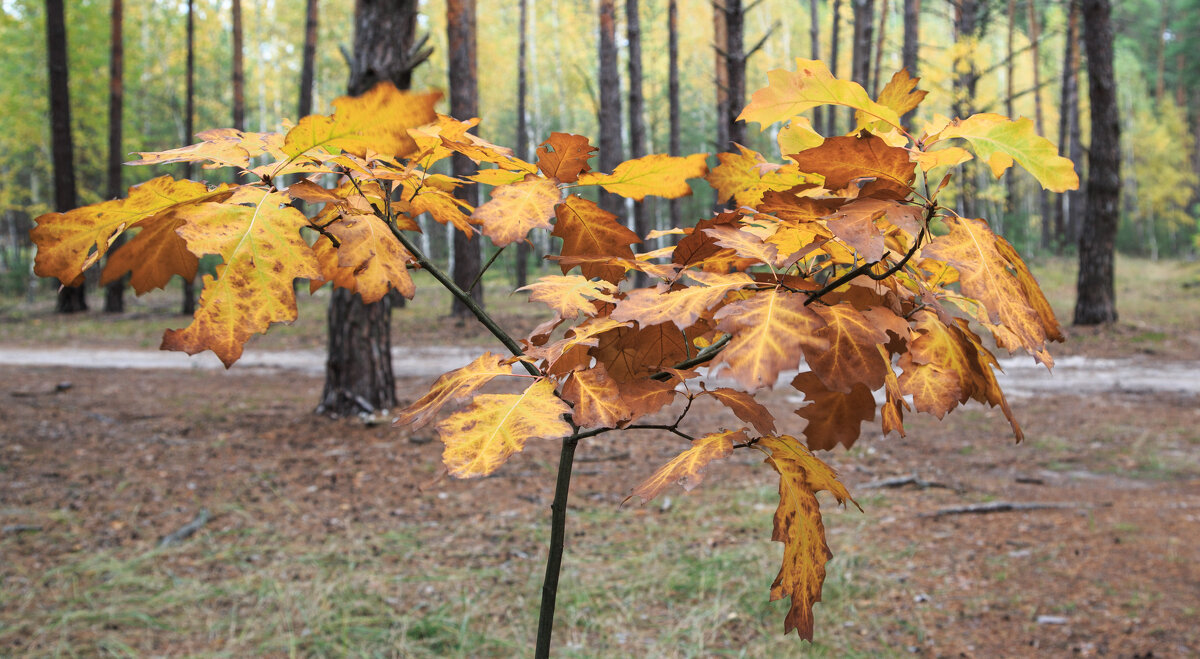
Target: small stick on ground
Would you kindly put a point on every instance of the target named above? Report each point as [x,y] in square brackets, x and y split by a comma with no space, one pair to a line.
[186,530]
[995,507]
[901,481]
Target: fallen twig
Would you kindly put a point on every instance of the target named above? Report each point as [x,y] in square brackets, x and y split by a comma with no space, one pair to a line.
[624,455]
[185,531]
[901,481]
[995,507]
[20,528]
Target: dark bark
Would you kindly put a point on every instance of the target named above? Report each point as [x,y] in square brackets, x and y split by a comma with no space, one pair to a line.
[831,119]
[1068,128]
[610,102]
[735,62]
[1096,296]
[522,145]
[1160,70]
[464,104]
[910,53]
[720,32]
[114,292]
[309,63]
[1039,119]
[637,121]
[188,305]
[970,19]
[239,70]
[1010,176]
[674,145]
[358,368]
[814,40]
[879,41]
[860,56]
[70,298]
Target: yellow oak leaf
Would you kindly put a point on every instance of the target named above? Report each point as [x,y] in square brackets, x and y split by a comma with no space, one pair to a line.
[657,174]
[257,234]
[569,295]
[688,467]
[516,209]
[377,121]
[833,417]
[798,526]
[481,438]
[153,256]
[900,94]
[497,176]
[746,177]
[69,243]
[219,147]
[745,244]
[945,157]
[770,330]
[999,141]
[789,93]
[590,231]
[453,386]
[442,206]
[651,306]
[597,399]
[1033,292]
[374,258]
[797,136]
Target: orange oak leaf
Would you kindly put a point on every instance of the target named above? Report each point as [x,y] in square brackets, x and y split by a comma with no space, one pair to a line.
[588,230]
[651,306]
[745,407]
[219,147]
[972,249]
[69,243]
[564,156]
[842,160]
[1033,292]
[688,467]
[569,295]
[833,417]
[645,397]
[698,247]
[442,206]
[937,367]
[482,437]
[577,341]
[856,226]
[257,234]
[798,526]
[516,209]
[377,121]
[451,387]
[999,141]
[770,329]
[900,94]
[852,356]
[376,260]
[791,93]
[745,244]
[985,388]
[153,256]
[656,174]
[597,399]
[635,353]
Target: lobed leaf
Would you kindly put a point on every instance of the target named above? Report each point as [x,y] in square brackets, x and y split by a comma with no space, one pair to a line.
[570,295]
[657,174]
[770,329]
[377,121]
[790,93]
[453,386]
[688,467]
[564,156]
[1000,140]
[590,231]
[516,209]
[745,408]
[597,399]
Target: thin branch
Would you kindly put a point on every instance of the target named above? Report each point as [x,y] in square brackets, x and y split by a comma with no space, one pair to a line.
[761,42]
[648,426]
[700,358]
[485,269]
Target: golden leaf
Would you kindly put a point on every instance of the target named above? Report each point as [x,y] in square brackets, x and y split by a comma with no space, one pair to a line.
[657,174]
[482,437]
[373,258]
[1000,140]
[770,329]
[651,306]
[745,407]
[516,209]
[569,295]
[219,147]
[900,94]
[588,231]
[153,256]
[688,467]
[377,121]
[790,93]
[597,399]
[453,386]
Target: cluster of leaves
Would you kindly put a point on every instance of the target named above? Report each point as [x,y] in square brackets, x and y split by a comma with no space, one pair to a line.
[839,258]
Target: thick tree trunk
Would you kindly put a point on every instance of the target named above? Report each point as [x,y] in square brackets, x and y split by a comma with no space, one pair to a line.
[114,292]
[70,298]
[610,102]
[637,122]
[188,305]
[1096,295]
[522,145]
[912,41]
[308,65]
[675,147]
[239,70]
[464,104]
[879,41]
[814,42]
[735,62]
[831,119]
[358,368]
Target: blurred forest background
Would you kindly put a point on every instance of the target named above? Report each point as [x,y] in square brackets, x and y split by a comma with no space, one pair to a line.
[1016,57]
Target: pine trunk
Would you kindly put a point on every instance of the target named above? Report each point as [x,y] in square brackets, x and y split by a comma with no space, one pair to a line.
[675,146]
[71,299]
[860,56]
[1096,296]
[239,69]
[358,368]
[831,118]
[188,305]
[814,41]
[637,122]
[610,103]
[966,78]
[910,54]
[114,292]
[720,39]
[1068,125]
[735,62]
[879,41]
[522,145]
[1010,176]
[308,65]
[464,104]
[1039,119]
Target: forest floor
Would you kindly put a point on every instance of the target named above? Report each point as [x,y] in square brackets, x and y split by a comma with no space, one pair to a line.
[332,538]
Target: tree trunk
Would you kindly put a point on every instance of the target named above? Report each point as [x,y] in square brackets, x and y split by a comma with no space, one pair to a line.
[188,306]
[831,118]
[1068,127]
[358,368]
[522,141]
[735,62]
[308,65]
[967,28]
[814,41]
[674,147]
[239,70]
[637,122]
[1039,119]
[879,40]
[720,40]
[610,103]
[860,56]
[70,298]
[1096,295]
[114,292]
[912,42]
[464,104]
[1010,176]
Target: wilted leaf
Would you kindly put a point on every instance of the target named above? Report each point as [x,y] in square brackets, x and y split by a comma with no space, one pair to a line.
[657,174]
[588,230]
[453,386]
[1000,140]
[597,399]
[564,156]
[482,437]
[798,526]
[633,354]
[687,468]
[516,209]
